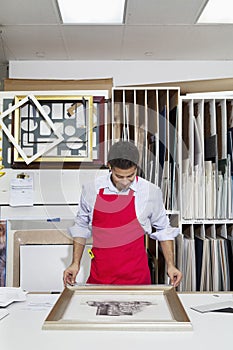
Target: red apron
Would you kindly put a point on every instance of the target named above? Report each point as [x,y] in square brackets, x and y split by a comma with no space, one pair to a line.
[119,255]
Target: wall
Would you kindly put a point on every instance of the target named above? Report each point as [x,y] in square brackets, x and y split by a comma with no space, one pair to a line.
[122,72]
[3,74]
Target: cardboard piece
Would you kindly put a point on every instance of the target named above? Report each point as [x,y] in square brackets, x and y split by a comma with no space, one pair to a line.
[52,84]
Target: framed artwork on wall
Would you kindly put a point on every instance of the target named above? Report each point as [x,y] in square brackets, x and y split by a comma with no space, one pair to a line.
[80,121]
[16,139]
[71,116]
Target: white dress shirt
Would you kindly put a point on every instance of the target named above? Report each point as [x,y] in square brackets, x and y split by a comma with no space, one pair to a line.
[150,210]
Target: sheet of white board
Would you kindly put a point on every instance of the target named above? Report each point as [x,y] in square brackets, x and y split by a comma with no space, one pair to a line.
[42,266]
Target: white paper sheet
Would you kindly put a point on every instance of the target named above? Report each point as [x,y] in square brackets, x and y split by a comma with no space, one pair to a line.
[21,192]
[3,313]
[213,306]
[10,294]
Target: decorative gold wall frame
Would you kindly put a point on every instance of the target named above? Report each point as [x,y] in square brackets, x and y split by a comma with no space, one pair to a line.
[63,112]
[109,307]
[16,140]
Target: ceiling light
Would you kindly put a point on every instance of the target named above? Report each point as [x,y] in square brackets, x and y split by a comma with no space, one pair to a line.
[217,11]
[92,11]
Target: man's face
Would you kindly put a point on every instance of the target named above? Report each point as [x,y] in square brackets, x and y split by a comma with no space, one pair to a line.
[122,178]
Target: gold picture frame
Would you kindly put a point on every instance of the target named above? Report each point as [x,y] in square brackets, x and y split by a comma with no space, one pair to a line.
[111,307]
[16,140]
[72,108]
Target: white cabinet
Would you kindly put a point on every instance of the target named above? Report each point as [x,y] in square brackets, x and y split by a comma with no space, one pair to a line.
[205,249]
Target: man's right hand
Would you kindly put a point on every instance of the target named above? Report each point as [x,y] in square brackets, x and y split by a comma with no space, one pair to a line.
[70,274]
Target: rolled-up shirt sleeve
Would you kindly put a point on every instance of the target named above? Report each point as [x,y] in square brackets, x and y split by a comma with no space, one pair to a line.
[161,223]
[81,227]
[166,234]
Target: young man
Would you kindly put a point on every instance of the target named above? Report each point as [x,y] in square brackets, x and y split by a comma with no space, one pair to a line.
[118,210]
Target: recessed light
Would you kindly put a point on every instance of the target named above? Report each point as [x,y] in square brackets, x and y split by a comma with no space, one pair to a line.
[92,11]
[217,11]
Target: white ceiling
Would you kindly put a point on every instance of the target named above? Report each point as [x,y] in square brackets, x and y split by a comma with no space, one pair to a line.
[153,30]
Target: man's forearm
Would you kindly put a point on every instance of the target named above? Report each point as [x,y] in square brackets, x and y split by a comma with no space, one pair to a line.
[78,248]
[168,252]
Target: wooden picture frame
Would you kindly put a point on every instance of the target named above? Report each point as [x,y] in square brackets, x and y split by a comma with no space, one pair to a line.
[15,140]
[63,111]
[111,307]
[29,129]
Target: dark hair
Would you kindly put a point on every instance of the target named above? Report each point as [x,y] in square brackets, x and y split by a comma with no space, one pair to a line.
[123,155]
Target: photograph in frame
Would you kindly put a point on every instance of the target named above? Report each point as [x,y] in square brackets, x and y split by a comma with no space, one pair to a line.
[109,307]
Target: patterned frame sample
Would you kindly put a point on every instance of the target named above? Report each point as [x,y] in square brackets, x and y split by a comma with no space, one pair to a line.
[14,140]
[70,116]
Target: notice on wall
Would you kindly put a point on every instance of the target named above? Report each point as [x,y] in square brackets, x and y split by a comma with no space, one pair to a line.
[21,192]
